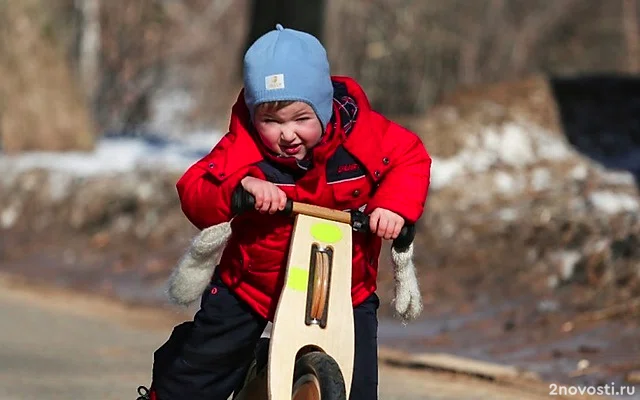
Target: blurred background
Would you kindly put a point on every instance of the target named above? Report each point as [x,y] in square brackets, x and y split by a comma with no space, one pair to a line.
[529,249]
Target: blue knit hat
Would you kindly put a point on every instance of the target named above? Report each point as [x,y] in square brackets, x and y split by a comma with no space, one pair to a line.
[288,65]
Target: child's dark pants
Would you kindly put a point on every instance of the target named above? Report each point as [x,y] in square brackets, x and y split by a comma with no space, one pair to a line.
[206,359]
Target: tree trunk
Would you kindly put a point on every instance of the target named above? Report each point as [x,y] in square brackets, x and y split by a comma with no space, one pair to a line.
[89,54]
[41,106]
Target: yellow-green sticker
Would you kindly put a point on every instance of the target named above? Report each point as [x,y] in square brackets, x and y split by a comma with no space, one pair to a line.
[298,279]
[327,233]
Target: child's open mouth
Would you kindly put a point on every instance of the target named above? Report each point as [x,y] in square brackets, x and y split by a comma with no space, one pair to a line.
[291,150]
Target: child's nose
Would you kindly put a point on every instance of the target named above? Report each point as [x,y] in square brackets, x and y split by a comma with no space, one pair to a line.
[287,134]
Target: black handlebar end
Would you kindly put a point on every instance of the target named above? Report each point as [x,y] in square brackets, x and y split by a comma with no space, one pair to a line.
[405,238]
[359,221]
[288,207]
[241,201]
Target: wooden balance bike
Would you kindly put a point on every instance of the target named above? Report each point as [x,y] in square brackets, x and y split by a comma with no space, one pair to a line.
[311,350]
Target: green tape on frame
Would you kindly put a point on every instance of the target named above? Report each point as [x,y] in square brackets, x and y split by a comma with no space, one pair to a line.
[298,279]
[326,232]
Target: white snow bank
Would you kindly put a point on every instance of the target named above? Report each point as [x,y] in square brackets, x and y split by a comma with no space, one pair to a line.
[613,203]
[119,154]
[517,145]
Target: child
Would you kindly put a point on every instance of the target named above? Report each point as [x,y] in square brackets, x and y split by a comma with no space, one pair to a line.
[295,132]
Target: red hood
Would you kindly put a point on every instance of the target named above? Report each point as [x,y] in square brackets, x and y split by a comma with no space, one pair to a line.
[241,133]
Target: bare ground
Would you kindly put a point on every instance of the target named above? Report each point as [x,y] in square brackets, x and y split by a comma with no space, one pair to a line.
[56,344]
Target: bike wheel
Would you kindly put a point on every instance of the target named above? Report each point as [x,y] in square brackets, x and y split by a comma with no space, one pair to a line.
[317,377]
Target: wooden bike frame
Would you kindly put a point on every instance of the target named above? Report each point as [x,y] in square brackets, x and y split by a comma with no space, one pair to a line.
[314,312]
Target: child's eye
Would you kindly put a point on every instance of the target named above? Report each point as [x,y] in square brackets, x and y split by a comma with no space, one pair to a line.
[268,120]
[303,119]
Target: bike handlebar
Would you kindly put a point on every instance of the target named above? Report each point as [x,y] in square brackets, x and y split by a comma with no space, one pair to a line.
[243,201]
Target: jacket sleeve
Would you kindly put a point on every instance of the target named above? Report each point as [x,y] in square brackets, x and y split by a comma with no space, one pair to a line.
[404,185]
[205,199]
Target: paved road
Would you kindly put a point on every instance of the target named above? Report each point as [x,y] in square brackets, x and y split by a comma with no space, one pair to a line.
[60,346]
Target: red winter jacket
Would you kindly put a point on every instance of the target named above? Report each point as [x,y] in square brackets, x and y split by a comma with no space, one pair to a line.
[364,161]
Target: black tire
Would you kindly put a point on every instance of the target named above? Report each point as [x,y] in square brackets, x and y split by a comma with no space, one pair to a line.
[323,371]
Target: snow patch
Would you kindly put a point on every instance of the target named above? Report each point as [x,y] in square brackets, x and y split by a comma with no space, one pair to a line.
[516,147]
[59,185]
[504,182]
[444,171]
[117,155]
[579,172]
[541,179]
[508,214]
[623,178]
[566,262]
[551,147]
[613,203]
[480,161]
[513,144]
[9,215]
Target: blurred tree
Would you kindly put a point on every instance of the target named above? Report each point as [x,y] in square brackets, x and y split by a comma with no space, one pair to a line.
[408,54]
[89,45]
[41,106]
[133,59]
[304,15]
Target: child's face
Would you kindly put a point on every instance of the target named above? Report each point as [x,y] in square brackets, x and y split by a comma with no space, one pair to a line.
[290,131]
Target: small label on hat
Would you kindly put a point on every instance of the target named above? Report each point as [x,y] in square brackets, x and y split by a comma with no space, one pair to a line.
[273,82]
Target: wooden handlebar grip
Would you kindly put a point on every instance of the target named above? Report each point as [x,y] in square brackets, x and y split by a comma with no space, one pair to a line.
[322,212]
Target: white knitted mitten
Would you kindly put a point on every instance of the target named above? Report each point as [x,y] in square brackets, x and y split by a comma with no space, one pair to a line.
[193,272]
[408,300]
